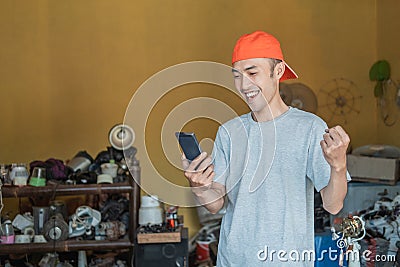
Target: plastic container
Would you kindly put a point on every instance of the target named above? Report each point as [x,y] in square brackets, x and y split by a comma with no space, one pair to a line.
[19,174]
[38,177]
[110,168]
[150,212]
[203,246]
[7,233]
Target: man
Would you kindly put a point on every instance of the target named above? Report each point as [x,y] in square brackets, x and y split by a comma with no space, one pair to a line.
[268,163]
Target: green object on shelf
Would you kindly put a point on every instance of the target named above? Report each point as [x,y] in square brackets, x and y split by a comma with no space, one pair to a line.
[34,181]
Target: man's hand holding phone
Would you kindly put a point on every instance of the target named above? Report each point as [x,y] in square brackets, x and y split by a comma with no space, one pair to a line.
[199,172]
[196,164]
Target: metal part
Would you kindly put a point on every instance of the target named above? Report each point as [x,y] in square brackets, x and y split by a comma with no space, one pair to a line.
[1,198]
[352,227]
[55,233]
[50,259]
[81,222]
[56,228]
[102,262]
[113,209]
[40,217]
[110,230]
[58,207]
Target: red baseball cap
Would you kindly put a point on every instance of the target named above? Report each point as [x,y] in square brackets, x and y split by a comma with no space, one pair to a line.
[260,44]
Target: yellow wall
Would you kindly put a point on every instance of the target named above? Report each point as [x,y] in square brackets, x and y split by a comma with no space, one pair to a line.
[69,68]
[388,48]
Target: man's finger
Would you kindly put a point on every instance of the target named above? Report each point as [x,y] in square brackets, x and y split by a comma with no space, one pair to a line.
[204,164]
[211,176]
[327,139]
[342,133]
[336,138]
[207,177]
[185,162]
[208,171]
[193,166]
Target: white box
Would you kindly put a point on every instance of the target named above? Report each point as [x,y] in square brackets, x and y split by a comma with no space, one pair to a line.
[372,168]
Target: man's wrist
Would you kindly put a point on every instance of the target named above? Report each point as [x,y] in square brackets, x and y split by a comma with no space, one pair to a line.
[201,190]
[339,169]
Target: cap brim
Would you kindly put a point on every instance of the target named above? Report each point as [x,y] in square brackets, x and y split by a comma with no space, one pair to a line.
[288,74]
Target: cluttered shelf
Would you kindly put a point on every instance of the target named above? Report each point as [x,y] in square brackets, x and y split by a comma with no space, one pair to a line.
[123,244]
[60,189]
[86,205]
[66,246]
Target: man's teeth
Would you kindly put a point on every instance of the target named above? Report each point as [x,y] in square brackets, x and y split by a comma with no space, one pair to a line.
[252,94]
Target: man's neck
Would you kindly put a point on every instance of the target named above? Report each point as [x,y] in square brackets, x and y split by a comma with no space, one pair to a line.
[270,112]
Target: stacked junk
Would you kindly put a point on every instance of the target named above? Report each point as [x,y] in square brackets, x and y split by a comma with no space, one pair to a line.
[379,245]
[102,217]
[382,222]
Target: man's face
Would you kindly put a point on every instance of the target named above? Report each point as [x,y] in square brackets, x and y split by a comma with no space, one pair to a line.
[256,82]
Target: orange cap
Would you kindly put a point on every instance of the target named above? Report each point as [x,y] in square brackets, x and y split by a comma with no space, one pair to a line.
[260,44]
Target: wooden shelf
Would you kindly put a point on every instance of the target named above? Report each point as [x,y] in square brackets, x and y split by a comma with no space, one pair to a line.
[55,189]
[65,190]
[66,246]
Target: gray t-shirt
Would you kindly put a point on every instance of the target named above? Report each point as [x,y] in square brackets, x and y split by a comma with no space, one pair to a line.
[269,170]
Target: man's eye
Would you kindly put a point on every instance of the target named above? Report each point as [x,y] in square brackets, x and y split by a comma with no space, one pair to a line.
[236,76]
[252,73]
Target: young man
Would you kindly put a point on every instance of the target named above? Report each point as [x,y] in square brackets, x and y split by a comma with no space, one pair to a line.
[266,164]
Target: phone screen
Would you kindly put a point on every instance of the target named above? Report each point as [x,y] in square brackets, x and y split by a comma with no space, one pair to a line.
[189,144]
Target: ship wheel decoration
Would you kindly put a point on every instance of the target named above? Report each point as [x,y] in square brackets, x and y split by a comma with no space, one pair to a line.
[338,99]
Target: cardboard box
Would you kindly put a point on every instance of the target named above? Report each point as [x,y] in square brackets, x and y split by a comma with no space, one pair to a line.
[373,169]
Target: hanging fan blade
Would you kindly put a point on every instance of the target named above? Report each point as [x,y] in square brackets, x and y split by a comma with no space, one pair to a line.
[303,97]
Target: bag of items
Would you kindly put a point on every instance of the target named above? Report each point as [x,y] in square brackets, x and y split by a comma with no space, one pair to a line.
[55,168]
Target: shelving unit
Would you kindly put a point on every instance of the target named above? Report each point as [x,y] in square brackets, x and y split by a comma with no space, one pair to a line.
[65,246]
[130,187]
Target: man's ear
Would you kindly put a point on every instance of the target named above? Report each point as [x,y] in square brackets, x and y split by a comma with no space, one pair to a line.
[279,70]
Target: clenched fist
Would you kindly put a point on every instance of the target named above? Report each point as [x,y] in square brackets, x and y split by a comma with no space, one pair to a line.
[334,146]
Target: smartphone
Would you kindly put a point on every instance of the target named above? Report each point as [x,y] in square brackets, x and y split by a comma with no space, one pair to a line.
[189,144]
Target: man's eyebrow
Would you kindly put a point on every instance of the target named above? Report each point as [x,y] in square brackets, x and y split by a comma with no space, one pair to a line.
[246,69]
[249,68]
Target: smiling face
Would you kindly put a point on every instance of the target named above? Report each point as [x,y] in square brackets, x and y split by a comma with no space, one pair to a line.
[257,80]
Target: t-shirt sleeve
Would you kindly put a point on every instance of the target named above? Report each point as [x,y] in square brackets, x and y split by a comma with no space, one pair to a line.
[220,156]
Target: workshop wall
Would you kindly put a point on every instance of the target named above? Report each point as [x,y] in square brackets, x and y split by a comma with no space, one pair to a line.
[70,68]
[388,44]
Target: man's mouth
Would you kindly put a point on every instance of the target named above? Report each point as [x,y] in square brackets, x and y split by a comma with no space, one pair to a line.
[252,94]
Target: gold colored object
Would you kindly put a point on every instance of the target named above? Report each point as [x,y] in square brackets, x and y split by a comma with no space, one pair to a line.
[352,227]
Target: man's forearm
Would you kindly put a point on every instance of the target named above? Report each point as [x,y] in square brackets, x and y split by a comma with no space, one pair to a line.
[334,193]
[212,199]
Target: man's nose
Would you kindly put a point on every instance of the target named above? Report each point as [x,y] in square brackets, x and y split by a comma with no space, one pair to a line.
[246,83]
